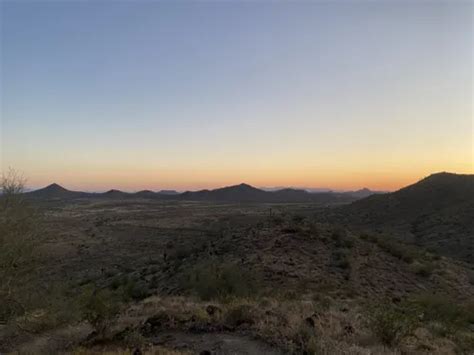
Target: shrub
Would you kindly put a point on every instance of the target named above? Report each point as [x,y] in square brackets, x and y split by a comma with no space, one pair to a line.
[439,308]
[391,324]
[396,249]
[211,280]
[298,219]
[277,220]
[19,231]
[424,269]
[99,307]
[341,258]
[241,314]
[338,233]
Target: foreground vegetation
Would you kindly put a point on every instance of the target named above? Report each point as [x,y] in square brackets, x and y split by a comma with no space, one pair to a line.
[275,282]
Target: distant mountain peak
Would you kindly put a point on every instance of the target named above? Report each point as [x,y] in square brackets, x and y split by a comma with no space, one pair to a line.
[114,191]
[246,186]
[55,187]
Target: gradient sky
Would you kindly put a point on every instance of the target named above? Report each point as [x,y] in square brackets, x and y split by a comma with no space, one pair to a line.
[187,95]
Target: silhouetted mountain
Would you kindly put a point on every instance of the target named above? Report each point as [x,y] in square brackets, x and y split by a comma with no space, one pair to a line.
[116,194]
[168,192]
[236,193]
[145,194]
[308,189]
[436,212]
[242,192]
[54,191]
[247,193]
[365,192]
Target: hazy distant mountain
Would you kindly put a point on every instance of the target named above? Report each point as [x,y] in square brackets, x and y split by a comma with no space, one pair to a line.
[236,193]
[168,192]
[308,189]
[242,192]
[145,194]
[365,192]
[247,193]
[116,194]
[436,212]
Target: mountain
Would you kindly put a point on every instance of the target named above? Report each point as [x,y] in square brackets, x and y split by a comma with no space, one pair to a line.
[365,192]
[54,191]
[247,193]
[115,194]
[168,192]
[236,193]
[308,189]
[145,194]
[436,213]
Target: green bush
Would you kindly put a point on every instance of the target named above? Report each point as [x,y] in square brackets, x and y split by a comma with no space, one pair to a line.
[397,250]
[241,314]
[99,307]
[212,280]
[391,324]
[439,308]
[424,269]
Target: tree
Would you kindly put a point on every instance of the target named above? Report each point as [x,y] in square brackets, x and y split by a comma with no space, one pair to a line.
[18,232]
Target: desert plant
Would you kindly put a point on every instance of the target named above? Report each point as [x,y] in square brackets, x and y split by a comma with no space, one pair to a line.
[19,230]
[99,307]
[219,280]
[424,269]
[391,324]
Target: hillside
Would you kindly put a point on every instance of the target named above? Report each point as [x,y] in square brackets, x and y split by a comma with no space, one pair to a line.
[196,277]
[436,213]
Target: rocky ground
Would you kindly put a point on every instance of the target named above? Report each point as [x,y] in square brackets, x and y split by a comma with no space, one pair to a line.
[205,277]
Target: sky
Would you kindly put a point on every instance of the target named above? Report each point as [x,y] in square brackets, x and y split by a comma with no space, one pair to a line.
[189,95]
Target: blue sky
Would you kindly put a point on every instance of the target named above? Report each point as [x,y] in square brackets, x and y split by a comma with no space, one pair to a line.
[146,94]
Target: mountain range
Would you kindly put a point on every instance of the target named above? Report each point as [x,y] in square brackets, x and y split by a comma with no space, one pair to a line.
[236,193]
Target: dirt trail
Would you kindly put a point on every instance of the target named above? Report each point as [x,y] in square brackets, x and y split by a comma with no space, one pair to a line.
[214,343]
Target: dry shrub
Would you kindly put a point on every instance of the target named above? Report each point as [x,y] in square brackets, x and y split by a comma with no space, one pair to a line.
[18,233]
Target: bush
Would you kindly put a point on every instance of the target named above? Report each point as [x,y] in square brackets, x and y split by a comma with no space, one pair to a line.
[298,219]
[341,258]
[439,308]
[391,324]
[99,307]
[212,280]
[396,249]
[424,269]
[277,220]
[19,231]
[241,314]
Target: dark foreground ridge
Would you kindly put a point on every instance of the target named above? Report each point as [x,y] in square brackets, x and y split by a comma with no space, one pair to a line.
[436,213]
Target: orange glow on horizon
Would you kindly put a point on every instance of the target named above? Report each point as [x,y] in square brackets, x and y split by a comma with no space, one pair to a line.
[190,179]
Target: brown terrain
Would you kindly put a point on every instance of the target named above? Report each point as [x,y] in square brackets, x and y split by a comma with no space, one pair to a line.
[212,277]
